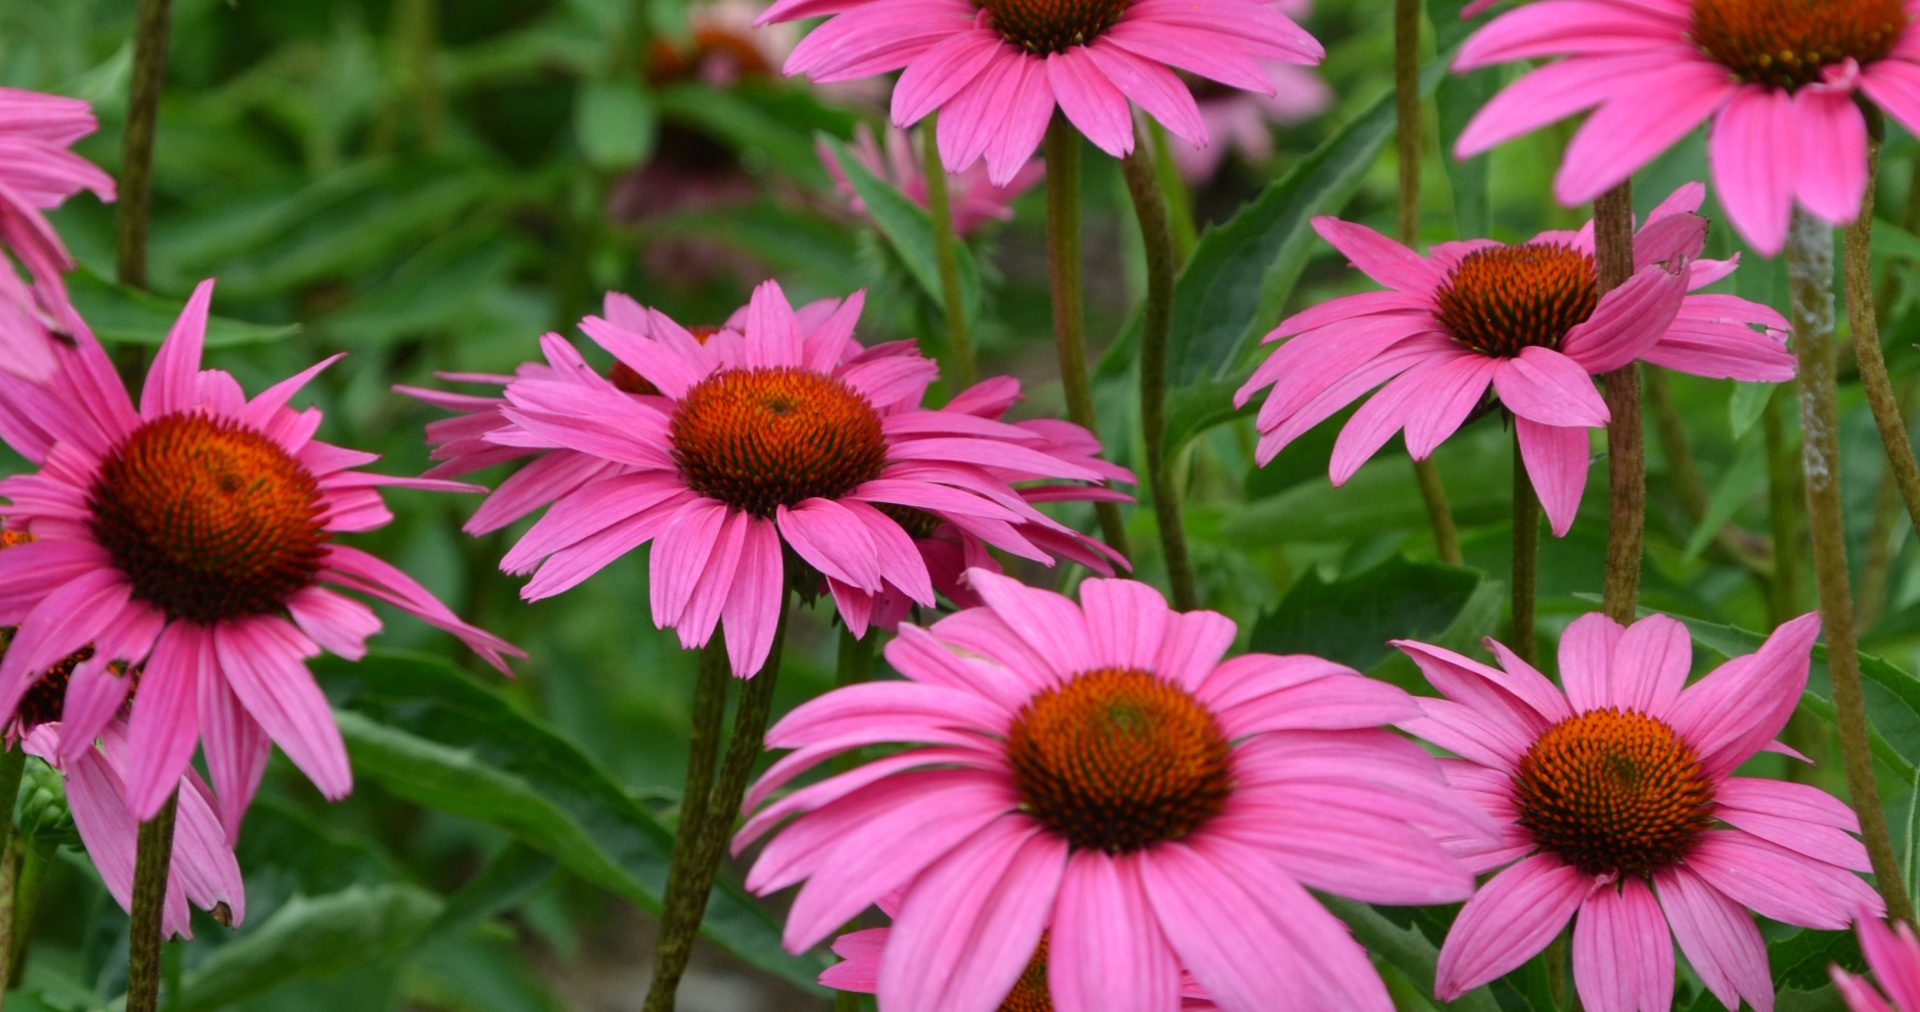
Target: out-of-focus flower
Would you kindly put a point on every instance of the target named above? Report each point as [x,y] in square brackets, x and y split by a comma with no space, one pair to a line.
[1099,774]
[1778,78]
[974,199]
[1893,954]
[193,538]
[1620,812]
[1526,320]
[38,173]
[1243,121]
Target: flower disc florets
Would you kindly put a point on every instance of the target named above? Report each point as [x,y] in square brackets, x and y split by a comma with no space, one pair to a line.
[1788,43]
[1501,299]
[1613,791]
[761,438]
[1050,26]
[1118,760]
[208,519]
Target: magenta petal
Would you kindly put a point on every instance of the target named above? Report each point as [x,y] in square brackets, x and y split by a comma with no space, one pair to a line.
[1734,711]
[1106,950]
[1586,660]
[1894,960]
[236,749]
[1641,119]
[1755,185]
[165,726]
[107,829]
[1512,917]
[1650,665]
[1544,386]
[174,375]
[93,699]
[753,606]
[1381,258]
[1778,883]
[264,661]
[1090,101]
[1719,938]
[1622,953]
[1557,460]
[1831,136]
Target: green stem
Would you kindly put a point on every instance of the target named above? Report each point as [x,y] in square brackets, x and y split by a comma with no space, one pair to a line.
[26,903]
[940,208]
[1179,200]
[13,763]
[1151,210]
[704,844]
[135,185]
[1882,542]
[1810,280]
[153,855]
[1626,450]
[1881,397]
[1787,508]
[1063,278]
[1526,556]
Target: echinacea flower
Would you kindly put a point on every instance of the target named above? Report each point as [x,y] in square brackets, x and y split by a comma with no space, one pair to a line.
[1778,79]
[996,70]
[194,538]
[975,200]
[1096,772]
[1526,320]
[1620,811]
[1243,121]
[203,870]
[754,443]
[1893,954]
[38,173]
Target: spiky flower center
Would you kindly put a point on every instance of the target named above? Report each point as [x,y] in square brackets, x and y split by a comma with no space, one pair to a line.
[628,379]
[1118,760]
[757,439]
[1501,299]
[46,700]
[1030,992]
[1787,43]
[1051,26]
[209,519]
[1613,791]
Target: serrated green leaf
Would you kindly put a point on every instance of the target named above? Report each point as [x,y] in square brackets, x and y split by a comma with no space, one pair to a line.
[120,315]
[908,229]
[616,123]
[1799,961]
[1405,948]
[430,734]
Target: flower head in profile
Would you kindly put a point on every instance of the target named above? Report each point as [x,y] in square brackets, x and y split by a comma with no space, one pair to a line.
[38,173]
[975,199]
[731,451]
[1243,121]
[1893,954]
[203,871]
[1098,774]
[997,69]
[193,538]
[1777,78]
[1526,320]
[1620,811]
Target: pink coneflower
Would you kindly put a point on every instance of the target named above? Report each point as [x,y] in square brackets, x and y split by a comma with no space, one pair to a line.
[1777,77]
[1097,772]
[194,538]
[203,871]
[997,69]
[975,200]
[1243,121]
[1526,320]
[1620,812]
[753,443]
[1893,954]
[38,173]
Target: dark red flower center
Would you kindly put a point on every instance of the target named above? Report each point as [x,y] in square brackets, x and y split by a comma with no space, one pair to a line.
[1613,791]
[1050,26]
[209,520]
[1117,760]
[1030,992]
[670,62]
[1787,43]
[46,700]
[757,439]
[1501,299]
[626,378]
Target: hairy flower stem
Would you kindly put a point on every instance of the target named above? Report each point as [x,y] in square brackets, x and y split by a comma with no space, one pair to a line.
[1810,282]
[1151,210]
[1866,341]
[1526,556]
[1626,449]
[940,208]
[135,185]
[706,824]
[1882,542]
[13,763]
[1063,278]
[1406,108]
[153,855]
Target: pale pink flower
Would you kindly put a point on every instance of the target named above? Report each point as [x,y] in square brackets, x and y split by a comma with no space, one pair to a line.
[754,442]
[973,198]
[194,538]
[1893,954]
[1620,812]
[1525,320]
[1098,772]
[38,173]
[1778,78]
[1476,7]
[1243,121]
[998,69]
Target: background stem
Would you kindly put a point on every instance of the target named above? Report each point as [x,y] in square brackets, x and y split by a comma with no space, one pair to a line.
[1626,450]
[136,145]
[1865,325]
[153,856]
[1179,201]
[941,209]
[1063,276]
[1526,556]
[1810,281]
[1149,208]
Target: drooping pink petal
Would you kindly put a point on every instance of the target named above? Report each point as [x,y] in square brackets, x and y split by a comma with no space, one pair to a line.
[1557,460]
[1622,953]
[264,662]
[1107,950]
[1512,917]
[1719,939]
[1831,137]
[1754,185]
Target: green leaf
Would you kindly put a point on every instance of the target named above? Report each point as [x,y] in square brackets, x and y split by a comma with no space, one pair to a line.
[1199,406]
[1382,496]
[1350,620]
[908,228]
[435,737]
[1748,403]
[120,315]
[616,123]
[1738,485]
[1799,961]
[507,879]
[310,937]
[1458,98]
[1405,948]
